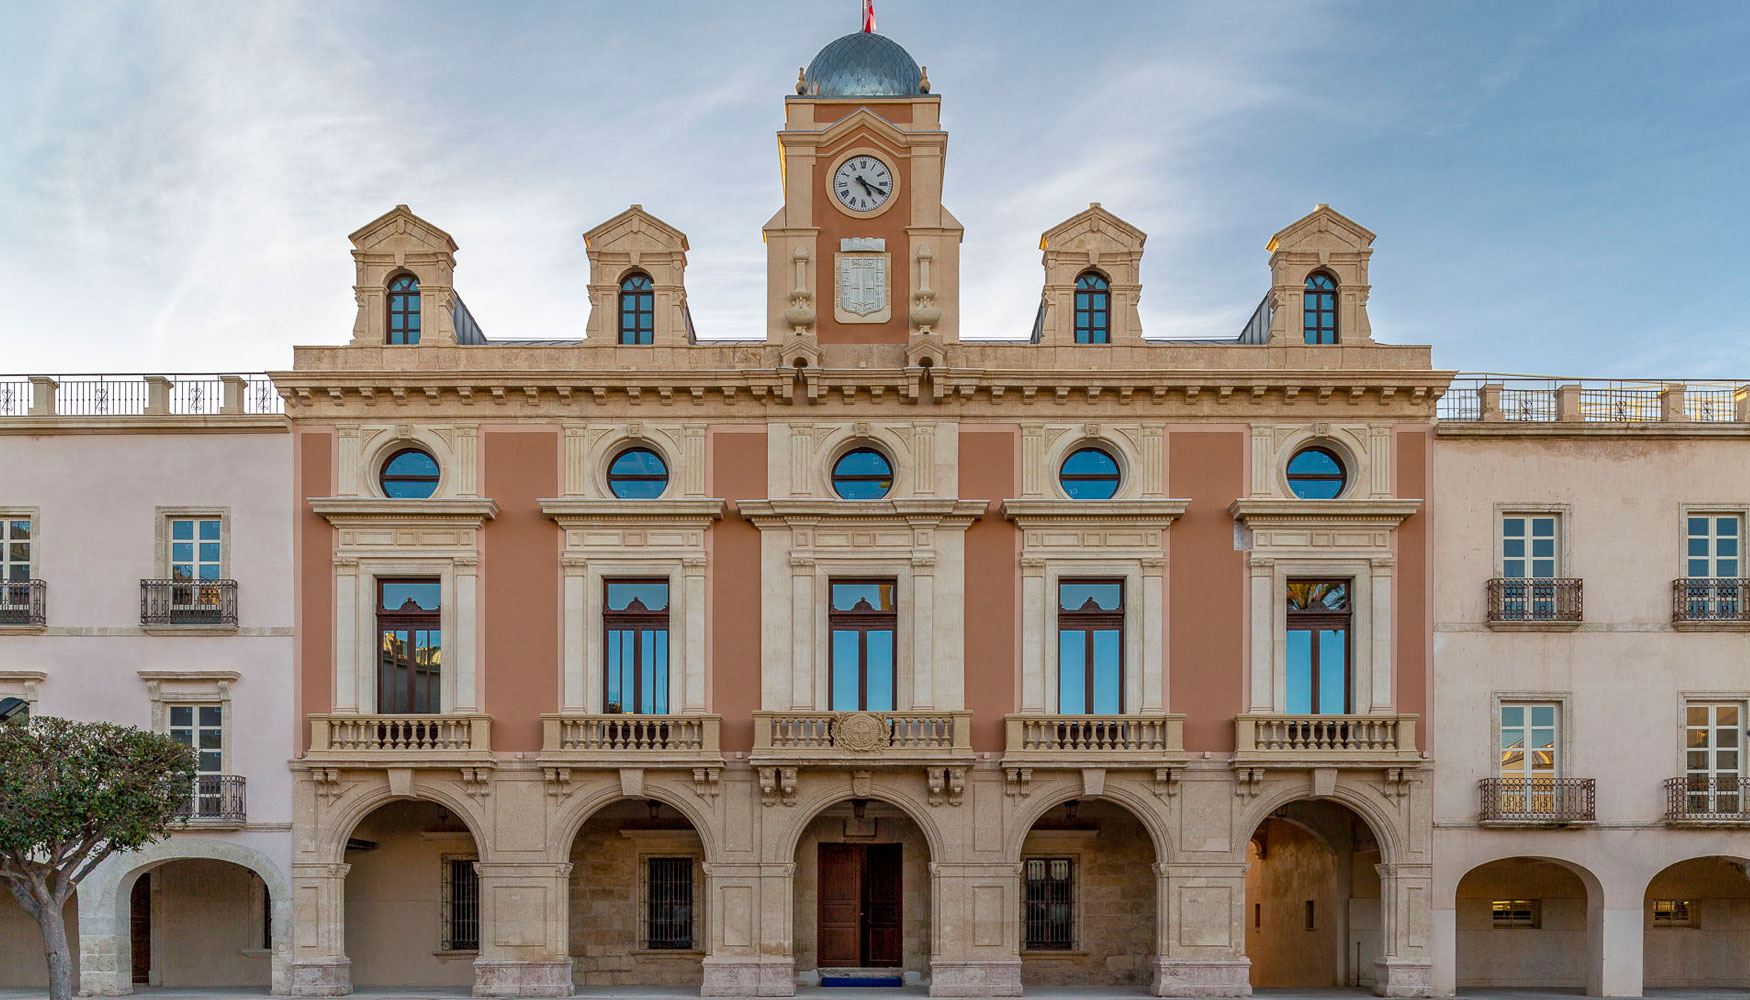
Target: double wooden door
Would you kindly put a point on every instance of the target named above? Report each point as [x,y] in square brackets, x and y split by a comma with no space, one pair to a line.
[860,906]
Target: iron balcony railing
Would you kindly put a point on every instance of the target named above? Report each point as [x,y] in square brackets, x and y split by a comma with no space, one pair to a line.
[188,602]
[217,798]
[1704,599]
[1528,399]
[1701,798]
[1535,600]
[137,395]
[22,602]
[1539,800]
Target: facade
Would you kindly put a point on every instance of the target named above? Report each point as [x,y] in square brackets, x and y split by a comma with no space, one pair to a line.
[145,579]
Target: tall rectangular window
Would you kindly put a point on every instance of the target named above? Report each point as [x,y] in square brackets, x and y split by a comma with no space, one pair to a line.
[410,646]
[1090,647]
[1530,547]
[1712,546]
[202,728]
[1317,644]
[863,621]
[461,905]
[16,540]
[196,548]
[635,621]
[1529,762]
[1713,755]
[668,903]
[1048,906]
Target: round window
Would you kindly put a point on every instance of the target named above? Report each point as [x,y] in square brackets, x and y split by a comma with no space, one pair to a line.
[1316,474]
[410,474]
[863,474]
[637,474]
[1089,474]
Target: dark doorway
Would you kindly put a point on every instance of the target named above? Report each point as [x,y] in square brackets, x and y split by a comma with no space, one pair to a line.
[860,906]
[140,928]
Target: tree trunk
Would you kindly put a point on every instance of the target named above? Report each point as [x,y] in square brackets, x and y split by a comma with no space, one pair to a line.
[53,922]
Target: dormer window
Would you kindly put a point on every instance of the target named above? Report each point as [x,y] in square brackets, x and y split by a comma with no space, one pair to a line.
[404,310]
[1320,319]
[637,309]
[1093,309]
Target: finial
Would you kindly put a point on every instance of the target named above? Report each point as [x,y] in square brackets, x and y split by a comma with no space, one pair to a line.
[924,80]
[801,88]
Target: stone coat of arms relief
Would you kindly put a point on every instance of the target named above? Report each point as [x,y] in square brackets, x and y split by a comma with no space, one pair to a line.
[862,270]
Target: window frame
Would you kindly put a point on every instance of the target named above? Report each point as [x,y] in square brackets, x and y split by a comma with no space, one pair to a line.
[1558,751]
[164,536]
[396,451]
[1533,910]
[33,544]
[641,623]
[862,622]
[1072,923]
[448,903]
[421,620]
[636,310]
[1064,477]
[395,303]
[1321,311]
[1563,539]
[1713,793]
[1100,307]
[1712,513]
[647,902]
[1088,623]
[1316,622]
[613,479]
[196,727]
[834,476]
[1671,907]
[1342,478]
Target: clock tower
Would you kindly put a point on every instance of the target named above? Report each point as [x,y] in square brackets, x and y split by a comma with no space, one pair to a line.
[862,251]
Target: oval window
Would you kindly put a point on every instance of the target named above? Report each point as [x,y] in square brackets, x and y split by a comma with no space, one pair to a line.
[410,474]
[637,474]
[1316,474]
[863,474]
[1089,474]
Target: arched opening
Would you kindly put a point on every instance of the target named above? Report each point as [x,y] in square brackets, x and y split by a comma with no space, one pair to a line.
[22,965]
[861,903]
[637,898]
[1088,898]
[1312,914]
[1523,922]
[412,897]
[197,922]
[1697,923]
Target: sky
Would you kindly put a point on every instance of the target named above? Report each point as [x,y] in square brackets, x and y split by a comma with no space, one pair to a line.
[1556,185]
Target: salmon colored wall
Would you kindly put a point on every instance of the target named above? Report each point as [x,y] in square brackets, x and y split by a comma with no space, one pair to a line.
[1415,623]
[738,472]
[520,583]
[826,114]
[890,225]
[313,541]
[1206,585]
[988,470]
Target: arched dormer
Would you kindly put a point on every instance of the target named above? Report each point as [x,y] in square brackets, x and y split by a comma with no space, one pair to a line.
[1322,245]
[1097,245]
[395,246]
[632,245]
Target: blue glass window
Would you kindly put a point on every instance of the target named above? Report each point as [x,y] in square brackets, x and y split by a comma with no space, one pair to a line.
[410,474]
[635,619]
[195,548]
[1320,309]
[1090,647]
[637,309]
[1316,474]
[1318,647]
[1089,474]
[637,474]
[410,646]
[862,619]
[404,310]
[1093,310]
[863,474]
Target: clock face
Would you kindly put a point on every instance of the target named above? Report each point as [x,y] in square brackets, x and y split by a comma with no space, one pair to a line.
[862,183]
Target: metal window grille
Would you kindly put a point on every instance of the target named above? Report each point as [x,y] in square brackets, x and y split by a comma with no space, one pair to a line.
[461,905]
[668,903]
[1514,912]
[1048,908]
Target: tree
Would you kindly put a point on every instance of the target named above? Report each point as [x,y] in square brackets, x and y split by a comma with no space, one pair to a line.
[71,795]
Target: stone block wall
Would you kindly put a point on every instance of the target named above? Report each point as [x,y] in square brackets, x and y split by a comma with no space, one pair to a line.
[1115,937]
[607,877]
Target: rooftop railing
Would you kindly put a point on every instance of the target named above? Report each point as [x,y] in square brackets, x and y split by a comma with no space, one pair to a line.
[137,395]
[1524,399]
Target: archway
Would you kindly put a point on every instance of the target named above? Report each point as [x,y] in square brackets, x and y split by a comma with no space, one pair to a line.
[861,902]
[196,922]
[1524,922]
[22,965]
[1088,898]
[1313,916]
[637,897]
[412,897]
[1696,926]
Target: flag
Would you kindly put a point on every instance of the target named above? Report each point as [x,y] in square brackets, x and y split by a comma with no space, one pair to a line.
[869,16]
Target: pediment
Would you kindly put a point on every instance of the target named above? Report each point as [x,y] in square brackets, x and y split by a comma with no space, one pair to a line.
[636,225]
[1324,228]
[399,223]
[1091,226]
[867,122]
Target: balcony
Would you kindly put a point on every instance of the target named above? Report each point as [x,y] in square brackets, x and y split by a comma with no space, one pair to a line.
[401,740]
[189,605]
[1325,740]
[1705,603]
[22,603]
[866,739]
[1538,801]
[1540,604]
[1110,740]
[577,739]
[1698,800]
[218,799]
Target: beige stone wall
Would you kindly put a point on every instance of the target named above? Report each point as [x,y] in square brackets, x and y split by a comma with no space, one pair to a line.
[393,927]
[1115,901]
[891,827]
[607,876]
[1551,954]
[21,944]
[1714,951]
[1294,866]
[206,925]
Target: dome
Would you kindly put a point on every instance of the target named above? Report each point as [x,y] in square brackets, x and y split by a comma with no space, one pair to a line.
[862,64]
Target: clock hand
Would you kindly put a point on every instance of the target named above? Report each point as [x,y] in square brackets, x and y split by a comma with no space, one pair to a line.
[866,186]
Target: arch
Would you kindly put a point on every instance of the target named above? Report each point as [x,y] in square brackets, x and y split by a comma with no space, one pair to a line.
[1044,798]
[583,805]
[635,308]
[807,809]
[1371,809]
[1546,929]
[1319,303]
[351,808]
[1690,924]
[401,308]
[1093,307]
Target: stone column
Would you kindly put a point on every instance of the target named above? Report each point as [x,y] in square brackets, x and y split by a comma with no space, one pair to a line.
[1154,628]
[975,930]
[1406,903]
[1615,934]
[524,930]
[467,627]
[1033,619]
[1200,930]
[748,942]
[320,967]
[693,598]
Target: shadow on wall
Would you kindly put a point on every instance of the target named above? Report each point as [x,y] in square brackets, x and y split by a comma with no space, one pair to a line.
[1312,898]
[21,944]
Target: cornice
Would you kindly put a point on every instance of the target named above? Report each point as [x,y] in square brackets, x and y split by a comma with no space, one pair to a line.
[1280,510]
[1589,429]
[354,510]
[1155,512]
[589,509]
[197,676]
[913,510]
[140,423]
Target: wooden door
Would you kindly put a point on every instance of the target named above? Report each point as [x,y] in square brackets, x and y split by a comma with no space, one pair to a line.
[885,935]
[839,929]
[140,928]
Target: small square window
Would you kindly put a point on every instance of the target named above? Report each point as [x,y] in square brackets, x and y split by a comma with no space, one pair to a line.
[1516,912]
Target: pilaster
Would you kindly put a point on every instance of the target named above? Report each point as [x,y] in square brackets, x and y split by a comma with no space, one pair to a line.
[1200,950]
[525,928]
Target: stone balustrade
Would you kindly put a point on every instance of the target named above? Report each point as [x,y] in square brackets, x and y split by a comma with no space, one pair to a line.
[871,737]
[1038,739]
[1299,739]
[383,739]
[576,737]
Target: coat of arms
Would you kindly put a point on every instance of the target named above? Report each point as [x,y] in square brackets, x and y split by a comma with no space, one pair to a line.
[863,285]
